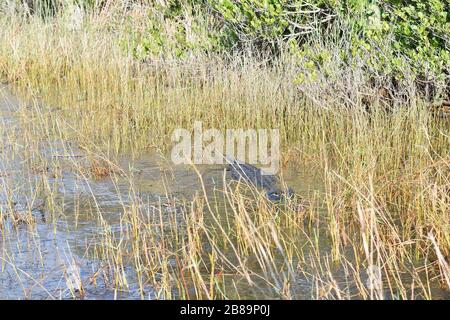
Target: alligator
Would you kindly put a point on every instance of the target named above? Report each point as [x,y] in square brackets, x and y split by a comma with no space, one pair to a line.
[254,176]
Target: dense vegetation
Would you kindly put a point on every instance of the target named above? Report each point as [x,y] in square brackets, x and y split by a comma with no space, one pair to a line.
[349,85]
[393,40]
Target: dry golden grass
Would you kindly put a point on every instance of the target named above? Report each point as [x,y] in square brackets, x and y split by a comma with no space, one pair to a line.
[385,172]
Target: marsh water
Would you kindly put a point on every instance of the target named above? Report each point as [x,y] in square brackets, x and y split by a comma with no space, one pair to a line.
[37,261]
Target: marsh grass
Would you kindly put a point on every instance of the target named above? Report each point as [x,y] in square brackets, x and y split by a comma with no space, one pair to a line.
[385,171]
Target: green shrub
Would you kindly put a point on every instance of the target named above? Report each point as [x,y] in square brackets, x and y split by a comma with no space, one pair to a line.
[172,29]
[266,22]
[421,32]
[391,38]
[388,35]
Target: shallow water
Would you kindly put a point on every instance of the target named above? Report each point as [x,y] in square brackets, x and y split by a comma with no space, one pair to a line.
[39,260]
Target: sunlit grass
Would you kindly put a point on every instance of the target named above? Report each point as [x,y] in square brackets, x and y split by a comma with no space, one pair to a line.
[385,172]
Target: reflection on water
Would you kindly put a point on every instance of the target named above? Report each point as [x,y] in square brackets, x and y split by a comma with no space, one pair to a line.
[39,260]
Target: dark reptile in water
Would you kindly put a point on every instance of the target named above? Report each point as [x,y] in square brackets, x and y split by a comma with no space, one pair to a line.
[252,175]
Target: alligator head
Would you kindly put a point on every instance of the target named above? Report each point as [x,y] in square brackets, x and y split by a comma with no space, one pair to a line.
[280,194]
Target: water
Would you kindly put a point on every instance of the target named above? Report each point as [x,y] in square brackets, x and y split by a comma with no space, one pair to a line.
[50,257]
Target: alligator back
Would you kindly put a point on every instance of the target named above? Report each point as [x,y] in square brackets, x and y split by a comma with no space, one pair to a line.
[252,175]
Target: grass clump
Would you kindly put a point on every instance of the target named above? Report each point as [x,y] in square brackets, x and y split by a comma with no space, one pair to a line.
[112,86]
